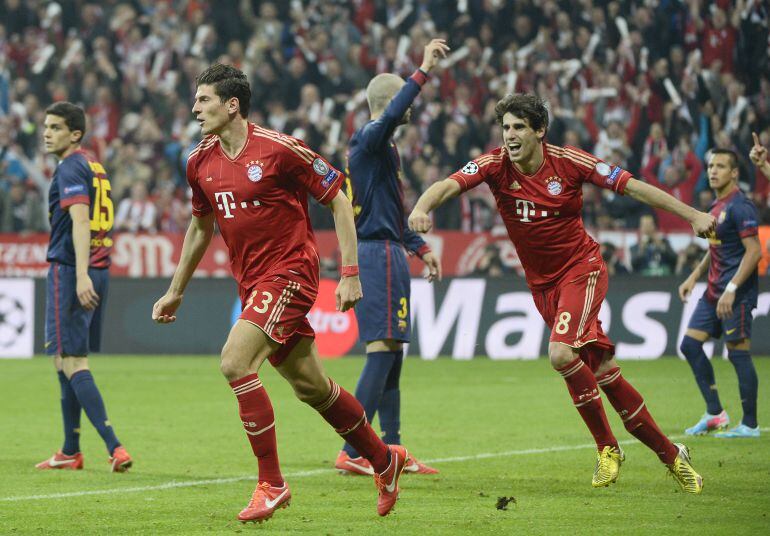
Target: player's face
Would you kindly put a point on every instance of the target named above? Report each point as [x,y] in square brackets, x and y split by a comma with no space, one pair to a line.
[720,173]
[212,114]
[520,139]
[57,137]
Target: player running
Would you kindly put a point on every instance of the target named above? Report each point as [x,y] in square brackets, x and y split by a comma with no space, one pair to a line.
[374,182]
[81,215]
[538,189]
[254,184]
[726,305]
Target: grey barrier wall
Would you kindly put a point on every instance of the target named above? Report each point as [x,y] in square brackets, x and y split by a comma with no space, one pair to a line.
[202,323]
[459,317]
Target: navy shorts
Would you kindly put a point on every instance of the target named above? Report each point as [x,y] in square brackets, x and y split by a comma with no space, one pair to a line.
[71,330]
[735,328]
[383,313]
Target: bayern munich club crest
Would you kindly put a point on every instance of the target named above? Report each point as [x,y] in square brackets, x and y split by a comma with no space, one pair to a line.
[254,171]
[554,186]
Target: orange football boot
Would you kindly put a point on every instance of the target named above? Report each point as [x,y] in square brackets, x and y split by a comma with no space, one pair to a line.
[264,502]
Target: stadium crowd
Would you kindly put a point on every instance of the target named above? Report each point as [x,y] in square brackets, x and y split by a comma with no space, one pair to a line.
[648,85]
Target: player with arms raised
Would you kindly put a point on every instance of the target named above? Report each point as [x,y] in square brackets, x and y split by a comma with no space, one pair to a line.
[374,184]
[538,190]
[253,183]
[81,215]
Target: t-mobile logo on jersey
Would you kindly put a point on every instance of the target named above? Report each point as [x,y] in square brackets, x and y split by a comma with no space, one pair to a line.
[226,202]
[526,209]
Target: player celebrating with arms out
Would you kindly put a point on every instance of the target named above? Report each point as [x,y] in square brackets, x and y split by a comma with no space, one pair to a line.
[374,172]
[81,215]
[538,190]
[253,183]
[726,305]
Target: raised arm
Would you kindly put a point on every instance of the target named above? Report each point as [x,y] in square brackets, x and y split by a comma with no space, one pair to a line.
[435,196]
[379,131]
[702,223]
[349,289]
[758,156]
[196,241]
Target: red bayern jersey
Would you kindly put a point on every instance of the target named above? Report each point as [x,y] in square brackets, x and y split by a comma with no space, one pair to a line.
[260,200]
[542,211]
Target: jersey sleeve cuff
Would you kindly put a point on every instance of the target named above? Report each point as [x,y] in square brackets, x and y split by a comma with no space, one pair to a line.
[423,250]
[329,194]
[751,231]
[199,213]
[620,185]
[74,200]
[420,77]
[459,179]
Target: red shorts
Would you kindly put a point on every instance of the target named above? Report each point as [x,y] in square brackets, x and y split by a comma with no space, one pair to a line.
[279,305]
[571,309]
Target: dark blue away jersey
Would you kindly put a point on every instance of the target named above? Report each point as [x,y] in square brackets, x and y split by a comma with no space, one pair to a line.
[79,178]
[737,218]
[374,174]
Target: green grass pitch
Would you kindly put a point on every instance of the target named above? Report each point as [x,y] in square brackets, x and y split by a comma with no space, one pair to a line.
[492,428]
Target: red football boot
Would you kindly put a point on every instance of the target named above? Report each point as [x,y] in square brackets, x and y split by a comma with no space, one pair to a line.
[62,461]
[416,467]
[120,460]
[265,500]
[387,481]
[353,466]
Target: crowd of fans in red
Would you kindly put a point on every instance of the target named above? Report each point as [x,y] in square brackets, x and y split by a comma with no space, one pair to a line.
[650,86]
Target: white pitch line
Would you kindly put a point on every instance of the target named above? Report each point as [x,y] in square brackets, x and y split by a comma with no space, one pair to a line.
[167,485]
[314,472]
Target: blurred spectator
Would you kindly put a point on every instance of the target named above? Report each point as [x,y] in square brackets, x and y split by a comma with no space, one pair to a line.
[675,173]
[137,212]
[173,214]
[610,255]
[705,198]
[126,169]
[689,258]
[11,167]
[687,76]
[21,210]
[490,264]
[764,243]
[653,254]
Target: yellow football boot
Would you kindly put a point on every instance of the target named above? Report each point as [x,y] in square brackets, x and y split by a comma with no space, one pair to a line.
[683,471]
[607,466]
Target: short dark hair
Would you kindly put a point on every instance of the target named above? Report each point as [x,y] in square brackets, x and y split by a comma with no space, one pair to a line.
[73,115]
[228,82]
[524,105]
[733,156]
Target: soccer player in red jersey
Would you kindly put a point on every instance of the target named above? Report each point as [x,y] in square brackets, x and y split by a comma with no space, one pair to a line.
[538,189]
[254,184]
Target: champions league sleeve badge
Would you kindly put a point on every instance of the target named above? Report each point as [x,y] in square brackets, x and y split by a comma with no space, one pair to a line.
[320,167]
[471,168]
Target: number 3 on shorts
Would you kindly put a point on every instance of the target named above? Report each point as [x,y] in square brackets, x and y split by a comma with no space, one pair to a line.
[267,298]
[562,326]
